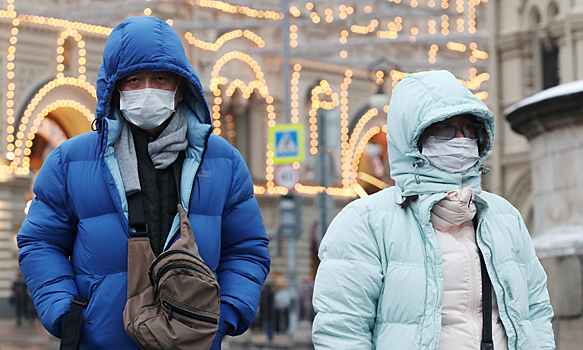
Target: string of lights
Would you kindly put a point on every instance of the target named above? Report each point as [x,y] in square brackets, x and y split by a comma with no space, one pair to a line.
[61,64]
[351,152]
[247,11]
[256,39]
[10,75]
[322,88]
[344,126]
[294,89]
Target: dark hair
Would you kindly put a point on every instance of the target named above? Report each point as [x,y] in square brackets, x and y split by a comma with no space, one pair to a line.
[408,200]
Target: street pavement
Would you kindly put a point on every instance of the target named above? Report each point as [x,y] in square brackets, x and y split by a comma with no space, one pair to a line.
[33,336]
[30,336]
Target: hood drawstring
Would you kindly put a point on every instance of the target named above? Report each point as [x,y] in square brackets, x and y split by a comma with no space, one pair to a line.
[416,164]
[483,170]
[96,124]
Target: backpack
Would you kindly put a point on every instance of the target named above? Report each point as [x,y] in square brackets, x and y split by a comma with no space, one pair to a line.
[173,299]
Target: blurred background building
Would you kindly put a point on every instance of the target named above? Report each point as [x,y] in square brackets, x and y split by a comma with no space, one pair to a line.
[536,64]
[343,59]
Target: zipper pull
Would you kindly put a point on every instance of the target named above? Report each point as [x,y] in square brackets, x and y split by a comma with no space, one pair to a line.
[169,307]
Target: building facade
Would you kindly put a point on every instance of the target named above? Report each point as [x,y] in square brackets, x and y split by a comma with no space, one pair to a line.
[344,60]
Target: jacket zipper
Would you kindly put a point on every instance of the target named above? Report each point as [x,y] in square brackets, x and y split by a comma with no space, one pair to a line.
[503,291]
[171,309]
[473,304]
[165,254]
[206,139]
[177,266]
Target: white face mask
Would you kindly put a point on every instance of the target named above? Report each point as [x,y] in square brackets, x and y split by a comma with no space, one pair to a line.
[455,155]
[147,108]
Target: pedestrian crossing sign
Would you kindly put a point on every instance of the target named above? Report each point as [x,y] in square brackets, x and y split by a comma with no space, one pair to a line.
[287,141]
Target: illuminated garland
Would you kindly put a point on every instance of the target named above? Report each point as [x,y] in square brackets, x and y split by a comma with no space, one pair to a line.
[256,39]
[24,167]
[247,11]
[323,88]
[477,54]
[344,126]
[394,28]
[432,53]
[472,16]
[456,46]
[60,50]
[482,95]
[294,93]
[63,23]
[13,146]
[444,23]
[359,149]
[350,151]
[10,72]
[293,35]
[259,84]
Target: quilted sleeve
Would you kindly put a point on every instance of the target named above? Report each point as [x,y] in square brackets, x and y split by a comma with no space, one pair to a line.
[245,259]
[540,309]
[45,244]
[347,286]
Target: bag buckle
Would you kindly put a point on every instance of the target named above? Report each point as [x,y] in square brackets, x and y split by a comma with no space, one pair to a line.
[80,301]
[138,230]
[487,346]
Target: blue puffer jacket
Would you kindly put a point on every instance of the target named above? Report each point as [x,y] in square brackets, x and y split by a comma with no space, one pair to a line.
[380,282]
[74,239]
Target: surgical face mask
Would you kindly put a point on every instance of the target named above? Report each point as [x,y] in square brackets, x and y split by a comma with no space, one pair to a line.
[147,108]
[455,155]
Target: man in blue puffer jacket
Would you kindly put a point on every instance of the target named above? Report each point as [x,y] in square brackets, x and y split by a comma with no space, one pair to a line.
[74,239]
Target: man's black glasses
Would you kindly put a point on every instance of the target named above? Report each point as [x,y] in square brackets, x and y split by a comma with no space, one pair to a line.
[448,131]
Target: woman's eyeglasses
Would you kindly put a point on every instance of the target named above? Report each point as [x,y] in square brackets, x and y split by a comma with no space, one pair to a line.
[448,131]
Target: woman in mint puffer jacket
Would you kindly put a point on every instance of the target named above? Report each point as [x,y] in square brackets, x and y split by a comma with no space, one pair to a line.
[401,269]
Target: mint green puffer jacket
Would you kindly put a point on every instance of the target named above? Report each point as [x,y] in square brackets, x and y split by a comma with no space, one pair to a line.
[380,281]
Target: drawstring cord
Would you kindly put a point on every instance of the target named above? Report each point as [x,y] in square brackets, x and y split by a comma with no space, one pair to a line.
[416,164]
[483,170]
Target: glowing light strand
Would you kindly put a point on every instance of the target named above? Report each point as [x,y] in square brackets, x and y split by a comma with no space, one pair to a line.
[256,39]
[244,10]
[61,50]
[322,88]
[294,89]
[354,138]
[344,127]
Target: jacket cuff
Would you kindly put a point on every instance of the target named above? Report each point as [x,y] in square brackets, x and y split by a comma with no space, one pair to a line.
[229,314]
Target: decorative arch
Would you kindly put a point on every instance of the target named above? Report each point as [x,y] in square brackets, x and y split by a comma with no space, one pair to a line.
[48,99]
[61,52]
[534,18]
[373,182]
[350,168]
[258,84]
[552,10]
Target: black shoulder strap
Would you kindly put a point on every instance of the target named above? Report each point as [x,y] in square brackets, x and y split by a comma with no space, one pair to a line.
[137,215]
[487,343]
[73,323]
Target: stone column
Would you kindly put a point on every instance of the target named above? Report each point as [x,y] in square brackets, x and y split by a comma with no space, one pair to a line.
[553,123]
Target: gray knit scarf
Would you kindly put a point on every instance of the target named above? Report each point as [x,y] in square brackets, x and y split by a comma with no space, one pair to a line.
[163,151]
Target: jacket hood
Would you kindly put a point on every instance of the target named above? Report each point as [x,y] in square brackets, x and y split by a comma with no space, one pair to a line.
[419,100]
[146,44]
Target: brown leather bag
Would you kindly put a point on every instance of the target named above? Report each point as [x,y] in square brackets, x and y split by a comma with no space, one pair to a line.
[174,299]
